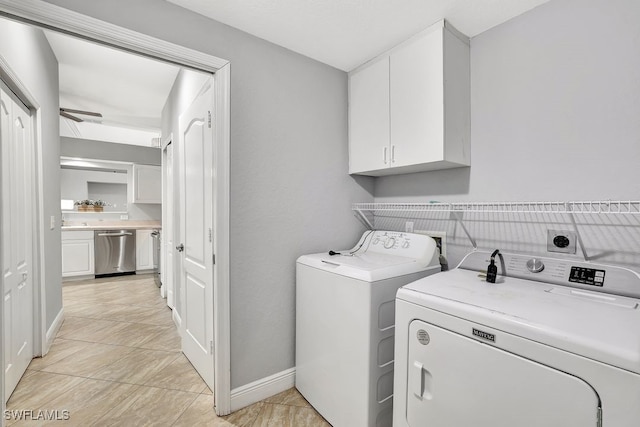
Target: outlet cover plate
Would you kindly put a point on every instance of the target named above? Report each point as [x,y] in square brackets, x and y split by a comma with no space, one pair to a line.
[562,241]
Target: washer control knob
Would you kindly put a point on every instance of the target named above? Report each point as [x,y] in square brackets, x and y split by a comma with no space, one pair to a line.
[535,265]
[390,242]
[376,241]
[405,244]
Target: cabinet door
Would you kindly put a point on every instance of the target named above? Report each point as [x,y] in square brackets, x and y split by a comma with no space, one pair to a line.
[147,184]
[144,250]
[77,253]
[417,101]
[369,118]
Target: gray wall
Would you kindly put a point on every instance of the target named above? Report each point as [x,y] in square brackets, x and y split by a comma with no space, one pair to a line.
[555,113]
[290,191]
[30,57]
[100,150]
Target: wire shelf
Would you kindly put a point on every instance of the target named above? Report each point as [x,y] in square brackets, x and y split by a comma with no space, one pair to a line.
[584,207]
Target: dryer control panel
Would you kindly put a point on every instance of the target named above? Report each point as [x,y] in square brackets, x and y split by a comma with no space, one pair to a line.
[566,272]
[422,248]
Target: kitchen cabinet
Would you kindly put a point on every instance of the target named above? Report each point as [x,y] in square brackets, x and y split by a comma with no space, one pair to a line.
[147,184]
[409,109]
[77,253]
[144,250]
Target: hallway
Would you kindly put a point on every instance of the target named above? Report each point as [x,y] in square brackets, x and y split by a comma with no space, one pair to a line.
[117,361]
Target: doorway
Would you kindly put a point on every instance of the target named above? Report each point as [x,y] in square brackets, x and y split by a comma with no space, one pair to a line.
[53,17]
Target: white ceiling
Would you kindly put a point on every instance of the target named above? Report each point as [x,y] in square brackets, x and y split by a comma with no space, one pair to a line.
[129,90]
[347,33]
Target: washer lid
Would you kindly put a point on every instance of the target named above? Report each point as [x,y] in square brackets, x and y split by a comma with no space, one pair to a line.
[599,326]
[368,266]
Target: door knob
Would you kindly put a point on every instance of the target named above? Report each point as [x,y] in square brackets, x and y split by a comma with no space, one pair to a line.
[180,248]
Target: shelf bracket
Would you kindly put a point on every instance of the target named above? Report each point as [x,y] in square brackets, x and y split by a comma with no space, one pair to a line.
[363,219]
[456,215]
[575,228]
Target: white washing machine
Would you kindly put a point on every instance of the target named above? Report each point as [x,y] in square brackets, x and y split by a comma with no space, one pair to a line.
[345,310]
[556,343]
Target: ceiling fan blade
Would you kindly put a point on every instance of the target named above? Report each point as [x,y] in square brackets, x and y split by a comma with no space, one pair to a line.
[70,117]
[85,113]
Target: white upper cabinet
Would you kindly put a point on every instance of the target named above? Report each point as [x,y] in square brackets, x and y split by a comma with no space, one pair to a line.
[409,108]
[147,184]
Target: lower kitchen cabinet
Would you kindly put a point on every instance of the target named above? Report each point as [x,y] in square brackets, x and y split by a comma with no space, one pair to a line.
[144,250]
[77,253]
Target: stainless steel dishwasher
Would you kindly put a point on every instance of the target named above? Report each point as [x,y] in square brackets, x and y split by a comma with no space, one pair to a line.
[115,252]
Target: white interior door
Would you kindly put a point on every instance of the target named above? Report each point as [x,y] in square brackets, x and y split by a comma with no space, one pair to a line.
[457,381]
[17,274]
[196,231]
[168,240]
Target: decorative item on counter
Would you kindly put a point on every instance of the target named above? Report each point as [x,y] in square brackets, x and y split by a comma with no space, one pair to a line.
[90,205]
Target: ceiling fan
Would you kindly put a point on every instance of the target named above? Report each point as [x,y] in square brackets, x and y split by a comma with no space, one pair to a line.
[67,112]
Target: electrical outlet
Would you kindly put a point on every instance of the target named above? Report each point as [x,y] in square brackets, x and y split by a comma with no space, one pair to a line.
[408,226]
[439,236]
[561,241]
[125,216]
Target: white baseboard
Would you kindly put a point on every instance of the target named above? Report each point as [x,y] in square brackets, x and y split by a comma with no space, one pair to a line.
[262,389]
[176,319]
[53,331]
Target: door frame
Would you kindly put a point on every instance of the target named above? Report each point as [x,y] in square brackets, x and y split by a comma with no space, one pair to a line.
[165,208]
[46,15]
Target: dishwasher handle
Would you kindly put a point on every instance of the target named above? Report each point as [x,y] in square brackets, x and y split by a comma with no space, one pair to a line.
[114,234]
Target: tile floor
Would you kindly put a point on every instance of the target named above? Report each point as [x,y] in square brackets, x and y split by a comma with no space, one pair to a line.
[116,361]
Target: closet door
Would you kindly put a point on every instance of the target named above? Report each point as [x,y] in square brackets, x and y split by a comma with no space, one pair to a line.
[17,242]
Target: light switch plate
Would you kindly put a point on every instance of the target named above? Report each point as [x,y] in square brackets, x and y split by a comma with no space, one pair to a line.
[52,225]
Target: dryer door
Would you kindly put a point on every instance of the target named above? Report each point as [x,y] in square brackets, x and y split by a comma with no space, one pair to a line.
[457,381]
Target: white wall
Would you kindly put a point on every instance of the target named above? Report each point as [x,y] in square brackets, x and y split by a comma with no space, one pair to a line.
[30,57]
[102,150]
[74,183]
[555,116]
[290,190]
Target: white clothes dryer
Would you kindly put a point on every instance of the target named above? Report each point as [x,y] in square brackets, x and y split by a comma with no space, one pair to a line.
[345,311]
[554,343]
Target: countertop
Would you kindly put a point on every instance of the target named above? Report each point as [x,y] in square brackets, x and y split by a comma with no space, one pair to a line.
[110,225]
